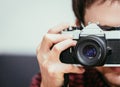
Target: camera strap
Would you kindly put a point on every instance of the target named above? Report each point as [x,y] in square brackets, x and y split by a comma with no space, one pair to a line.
[66,80]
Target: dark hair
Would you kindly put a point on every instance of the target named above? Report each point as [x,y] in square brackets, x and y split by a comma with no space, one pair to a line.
[79,7]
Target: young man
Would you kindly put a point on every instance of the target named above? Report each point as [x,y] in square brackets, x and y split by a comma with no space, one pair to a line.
[107,13]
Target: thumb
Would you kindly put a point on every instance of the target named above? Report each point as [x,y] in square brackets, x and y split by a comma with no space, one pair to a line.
[70,68]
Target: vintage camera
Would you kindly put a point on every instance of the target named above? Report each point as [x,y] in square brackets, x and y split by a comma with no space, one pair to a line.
[95,47]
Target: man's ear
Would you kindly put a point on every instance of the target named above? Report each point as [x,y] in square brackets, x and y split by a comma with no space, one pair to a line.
[77,22]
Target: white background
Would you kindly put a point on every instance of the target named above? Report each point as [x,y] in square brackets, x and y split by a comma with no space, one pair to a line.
[24,22]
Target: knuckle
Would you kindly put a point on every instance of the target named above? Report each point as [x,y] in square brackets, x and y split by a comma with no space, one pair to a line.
[46,37]
[56,49]
[38,48]
[50,31]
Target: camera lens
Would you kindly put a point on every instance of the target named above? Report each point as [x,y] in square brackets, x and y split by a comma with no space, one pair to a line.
[89,51]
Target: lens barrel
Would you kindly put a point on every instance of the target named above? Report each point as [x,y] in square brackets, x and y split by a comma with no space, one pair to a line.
[91,50]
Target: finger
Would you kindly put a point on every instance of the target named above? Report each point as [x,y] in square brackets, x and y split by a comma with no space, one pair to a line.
[66,68]
[50,39]
[69,68]
[58,48]
[59,28]
[56,38]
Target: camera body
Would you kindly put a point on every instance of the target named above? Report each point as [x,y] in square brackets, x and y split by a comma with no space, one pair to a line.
[94,47]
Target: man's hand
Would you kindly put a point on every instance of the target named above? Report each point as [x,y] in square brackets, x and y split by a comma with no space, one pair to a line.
[48,53]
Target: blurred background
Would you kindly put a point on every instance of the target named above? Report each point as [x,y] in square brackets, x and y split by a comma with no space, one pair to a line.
[22,26]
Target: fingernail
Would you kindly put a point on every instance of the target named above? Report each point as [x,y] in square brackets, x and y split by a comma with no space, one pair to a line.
[82,69]
[74,42]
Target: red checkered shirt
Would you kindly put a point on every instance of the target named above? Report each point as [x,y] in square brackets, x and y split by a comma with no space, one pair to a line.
[91,78]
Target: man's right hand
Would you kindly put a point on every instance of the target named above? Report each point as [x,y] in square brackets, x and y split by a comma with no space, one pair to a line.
[48,53]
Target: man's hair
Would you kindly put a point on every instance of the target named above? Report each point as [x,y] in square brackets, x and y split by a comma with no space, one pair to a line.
[79,7]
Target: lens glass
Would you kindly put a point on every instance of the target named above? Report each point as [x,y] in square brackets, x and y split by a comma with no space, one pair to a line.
[89,51]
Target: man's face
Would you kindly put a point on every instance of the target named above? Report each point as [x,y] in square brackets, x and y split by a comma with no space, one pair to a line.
[107,14]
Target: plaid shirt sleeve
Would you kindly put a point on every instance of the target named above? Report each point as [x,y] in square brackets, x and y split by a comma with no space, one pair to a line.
[36,80]
[91,78]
